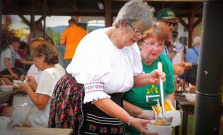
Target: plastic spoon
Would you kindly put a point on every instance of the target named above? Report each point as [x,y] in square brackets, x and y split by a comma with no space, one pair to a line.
[25,81]
[3,82]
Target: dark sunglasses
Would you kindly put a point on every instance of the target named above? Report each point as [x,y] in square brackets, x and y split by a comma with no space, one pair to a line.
[170,23]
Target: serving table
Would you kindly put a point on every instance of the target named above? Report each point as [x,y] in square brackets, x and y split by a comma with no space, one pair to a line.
[187,108]
[7,97]
[43,131]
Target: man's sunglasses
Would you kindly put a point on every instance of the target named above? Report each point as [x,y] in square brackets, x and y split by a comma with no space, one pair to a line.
[170,23]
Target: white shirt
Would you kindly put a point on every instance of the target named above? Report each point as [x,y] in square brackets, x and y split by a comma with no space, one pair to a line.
[176,60]
[39,118]
[11,54]
[103,68]
[36,74]
[47,82]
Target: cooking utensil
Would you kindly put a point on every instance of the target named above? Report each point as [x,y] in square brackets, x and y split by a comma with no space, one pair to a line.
[160,68]
[25,81]
[3,82]
[168,120]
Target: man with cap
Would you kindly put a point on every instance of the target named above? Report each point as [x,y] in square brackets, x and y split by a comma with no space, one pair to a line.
[167,15]
[8,57]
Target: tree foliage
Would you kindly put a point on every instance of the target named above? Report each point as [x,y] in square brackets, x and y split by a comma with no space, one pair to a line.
[7,33]
[55,35]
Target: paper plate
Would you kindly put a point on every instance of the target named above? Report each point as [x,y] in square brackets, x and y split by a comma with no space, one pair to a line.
[6,88]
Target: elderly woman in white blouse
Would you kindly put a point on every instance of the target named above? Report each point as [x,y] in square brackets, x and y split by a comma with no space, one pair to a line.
[107,61]
[45,58]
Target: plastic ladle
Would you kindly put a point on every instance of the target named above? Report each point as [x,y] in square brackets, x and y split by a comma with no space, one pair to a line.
[168,120]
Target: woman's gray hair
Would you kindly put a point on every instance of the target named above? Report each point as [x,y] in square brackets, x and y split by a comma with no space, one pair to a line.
[197,41]
[136,11]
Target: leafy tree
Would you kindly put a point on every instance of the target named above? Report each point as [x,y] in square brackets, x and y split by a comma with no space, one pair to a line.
[55,35]
[90,30]
[7,33]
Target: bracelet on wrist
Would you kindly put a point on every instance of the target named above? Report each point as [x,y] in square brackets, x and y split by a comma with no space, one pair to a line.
[130,120]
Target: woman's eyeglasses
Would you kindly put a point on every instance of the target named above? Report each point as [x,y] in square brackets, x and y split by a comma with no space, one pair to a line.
[170,23]
[152,44]
[137,32]
[34,58]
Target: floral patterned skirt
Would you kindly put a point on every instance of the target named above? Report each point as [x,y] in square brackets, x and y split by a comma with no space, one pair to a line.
[96,122]
[66,104]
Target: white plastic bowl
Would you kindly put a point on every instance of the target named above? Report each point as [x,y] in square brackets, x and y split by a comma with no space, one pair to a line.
[6,88]
[15,82]
[160,130]
[190,97]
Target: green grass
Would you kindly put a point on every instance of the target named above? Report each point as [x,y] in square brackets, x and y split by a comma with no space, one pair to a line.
[190,125]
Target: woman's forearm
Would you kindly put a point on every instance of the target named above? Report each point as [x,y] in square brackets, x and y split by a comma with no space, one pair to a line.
[39,100]
[141,80]
[132,109]
[138,112]
[32,95]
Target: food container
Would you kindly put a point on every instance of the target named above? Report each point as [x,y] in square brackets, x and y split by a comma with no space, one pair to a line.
[191,97]
[160,130]
[15,82]
[6,88]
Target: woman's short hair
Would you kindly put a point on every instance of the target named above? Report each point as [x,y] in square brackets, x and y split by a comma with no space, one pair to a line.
[46,49]
[160,29]
[135,11]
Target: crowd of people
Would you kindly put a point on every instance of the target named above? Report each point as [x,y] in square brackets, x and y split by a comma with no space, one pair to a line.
[111,81]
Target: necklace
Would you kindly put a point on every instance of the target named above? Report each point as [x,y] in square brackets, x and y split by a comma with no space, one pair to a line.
[113,36]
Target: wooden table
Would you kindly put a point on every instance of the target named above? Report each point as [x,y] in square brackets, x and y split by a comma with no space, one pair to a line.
[27,62]
[7,97]
[43,131]
[8,76]
[187,108]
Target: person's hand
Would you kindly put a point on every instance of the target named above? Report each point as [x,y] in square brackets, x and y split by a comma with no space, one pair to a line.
[15,75]
[178,69]
[154,76]
[32,82]
[188,66]
[140,125]
[7,81]
[24,87]
[147,114]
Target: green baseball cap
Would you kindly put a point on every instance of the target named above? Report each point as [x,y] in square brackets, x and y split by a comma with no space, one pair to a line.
[166,13]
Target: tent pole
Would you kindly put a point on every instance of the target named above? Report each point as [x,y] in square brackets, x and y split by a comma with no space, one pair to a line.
[210,71]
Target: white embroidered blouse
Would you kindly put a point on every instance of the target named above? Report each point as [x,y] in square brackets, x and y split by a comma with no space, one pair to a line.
[103,68]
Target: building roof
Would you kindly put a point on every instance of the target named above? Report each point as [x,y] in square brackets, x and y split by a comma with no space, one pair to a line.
[91,7]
